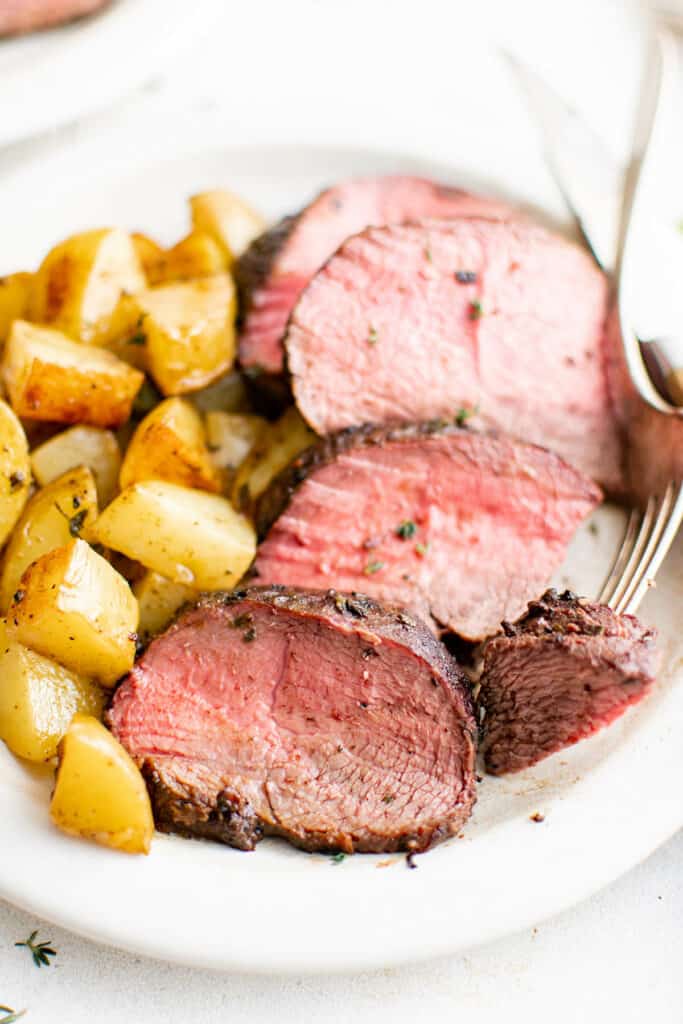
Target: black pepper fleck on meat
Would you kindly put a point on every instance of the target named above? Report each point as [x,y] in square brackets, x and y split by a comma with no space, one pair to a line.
[466,276]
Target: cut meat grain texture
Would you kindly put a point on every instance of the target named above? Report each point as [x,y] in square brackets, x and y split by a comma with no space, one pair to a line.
[278,265]
[462,528]
[565,670]
[322,718]
[415,321]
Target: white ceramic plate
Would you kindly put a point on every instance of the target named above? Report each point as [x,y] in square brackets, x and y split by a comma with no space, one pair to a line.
[608,802]
[49,78]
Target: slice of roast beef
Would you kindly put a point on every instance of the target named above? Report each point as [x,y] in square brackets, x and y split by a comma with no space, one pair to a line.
[413,321]
[279,264]
[463,528]
[565,670]
[18,16]
[320,717]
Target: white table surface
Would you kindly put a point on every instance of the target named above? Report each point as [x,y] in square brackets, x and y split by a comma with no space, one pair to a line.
[420,76]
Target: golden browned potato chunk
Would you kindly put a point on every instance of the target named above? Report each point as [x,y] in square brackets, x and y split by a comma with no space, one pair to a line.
[15,290]
[278,445]
[228,218]
[38,699]
[170,445]
[64,509]
[197,255]
[87,446]
[80,281]
[189,536]
[149,253]
[15,470]
[99,793]
[158,600]
[50,377]
[126,338]
[230,437]
[72,606]
[189,332]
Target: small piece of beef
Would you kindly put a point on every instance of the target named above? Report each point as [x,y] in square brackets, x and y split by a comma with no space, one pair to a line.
[460,527]
[565,670]
[19,16]
[277,267]
[320,717]
[415,321]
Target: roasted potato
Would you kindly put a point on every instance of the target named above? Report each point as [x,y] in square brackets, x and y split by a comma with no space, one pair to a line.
[196,255]
[99,793]
[278,445]
[189,536]
[188,331]
[80,281]
[149,253]
[72,606]
[226,217]
[38,699]
[87,446]
[126,338]
[228,394]
[169,444]
[50,377]
[230,437]
[15,470]
[158,600]
[63,509]
[15,290]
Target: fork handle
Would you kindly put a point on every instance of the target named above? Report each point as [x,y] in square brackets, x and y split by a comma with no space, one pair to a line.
[664,360]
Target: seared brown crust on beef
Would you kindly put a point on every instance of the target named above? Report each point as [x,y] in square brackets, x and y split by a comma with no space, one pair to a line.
[566,669]
[315,742]
[255,264]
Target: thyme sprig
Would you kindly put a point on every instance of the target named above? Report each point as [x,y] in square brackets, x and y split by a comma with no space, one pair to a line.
[40,951]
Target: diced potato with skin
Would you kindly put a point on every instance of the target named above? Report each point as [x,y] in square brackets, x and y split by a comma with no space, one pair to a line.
[279,444]
[15,290]
[72,606]
[15,471]
[189,536]
[230,437]
[149,253]
[38,699]
[158,600]
[99,792]
[228,394]
[126,337]
[63,509]
[169,444]
[196,255]
[50,377]
[88,446]
[189,330]
[228,218]
[80,281]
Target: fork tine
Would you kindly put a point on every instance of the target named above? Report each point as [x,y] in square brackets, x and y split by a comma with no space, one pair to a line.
[634,555]
[621,557]
[664,530]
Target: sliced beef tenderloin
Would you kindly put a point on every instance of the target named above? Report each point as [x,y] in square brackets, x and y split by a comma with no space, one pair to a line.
[463,528]
[279,264]
[414,321]
[565,670]
[18,16]
[320,717]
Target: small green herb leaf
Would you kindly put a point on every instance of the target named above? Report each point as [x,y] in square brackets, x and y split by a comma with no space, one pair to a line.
[337,858]
[406,529]
[476,310]
[421,550]
[372,567]
[40,951]
[464,414]
[373,336]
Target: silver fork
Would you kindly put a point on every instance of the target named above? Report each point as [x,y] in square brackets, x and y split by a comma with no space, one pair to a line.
[576,161]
